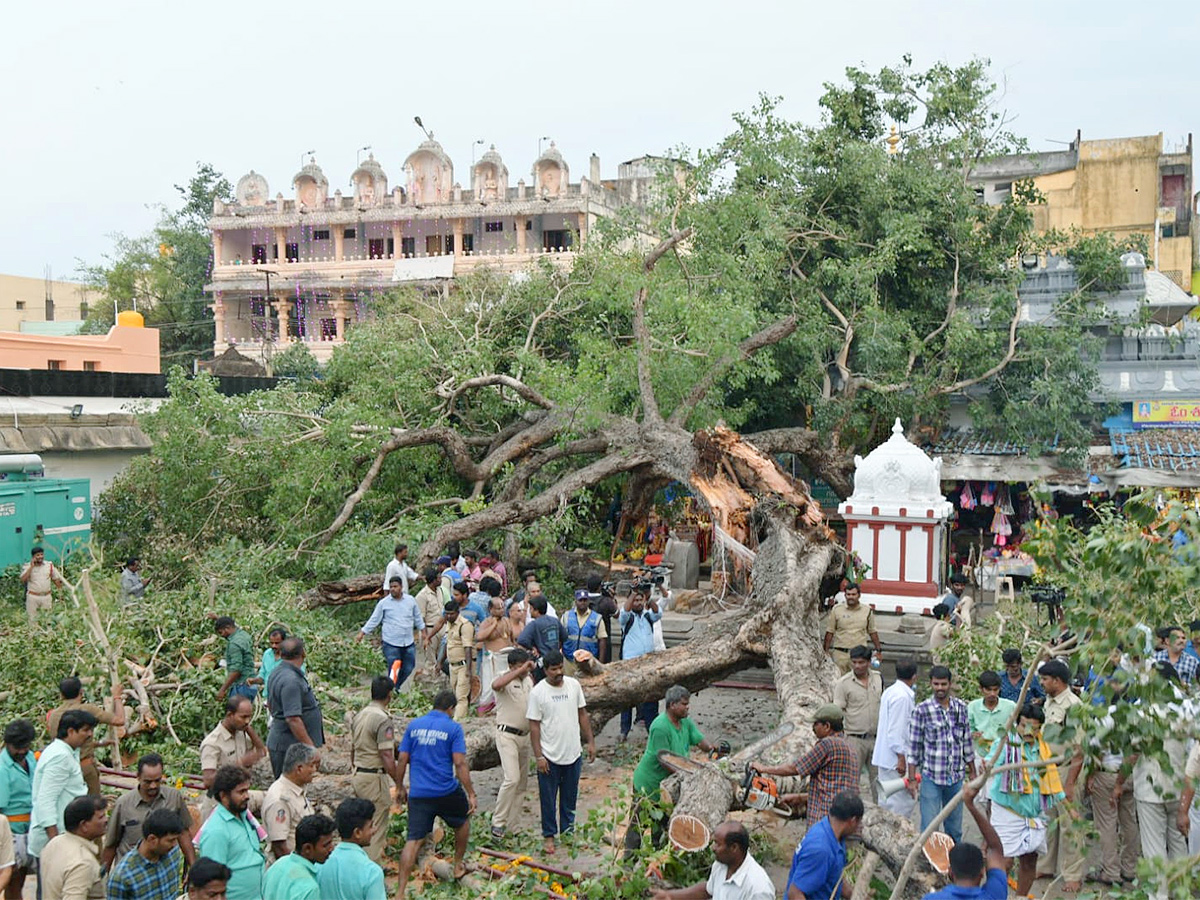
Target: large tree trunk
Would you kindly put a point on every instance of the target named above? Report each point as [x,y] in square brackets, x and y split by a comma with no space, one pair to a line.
[758,504]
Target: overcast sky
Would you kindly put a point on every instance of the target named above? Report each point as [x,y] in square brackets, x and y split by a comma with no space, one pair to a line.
[106,105]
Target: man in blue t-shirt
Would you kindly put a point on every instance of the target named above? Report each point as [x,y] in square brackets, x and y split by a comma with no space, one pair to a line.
[436,749]
[968,880]
[816,872]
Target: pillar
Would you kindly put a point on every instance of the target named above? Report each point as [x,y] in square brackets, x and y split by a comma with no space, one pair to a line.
[280,244]
[281,308]
[583,226]
[397,240]
[218,308]
[339,313]
[521,222]
[218,245]
[339,242]
[458,237]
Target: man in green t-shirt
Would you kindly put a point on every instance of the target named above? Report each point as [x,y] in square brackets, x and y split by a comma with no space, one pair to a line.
[239,659]
[673,731]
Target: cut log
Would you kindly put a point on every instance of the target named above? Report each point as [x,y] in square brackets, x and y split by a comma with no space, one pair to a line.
[340,593]
[687,833]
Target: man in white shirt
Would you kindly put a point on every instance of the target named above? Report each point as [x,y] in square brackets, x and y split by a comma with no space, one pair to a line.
[558,720]
[399,567]
[891,735]
[736,875]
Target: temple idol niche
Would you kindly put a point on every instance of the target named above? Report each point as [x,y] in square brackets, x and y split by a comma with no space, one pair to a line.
[370,182]
[550,174]
[252,190]
[429,173]
[489,179]
[311,185]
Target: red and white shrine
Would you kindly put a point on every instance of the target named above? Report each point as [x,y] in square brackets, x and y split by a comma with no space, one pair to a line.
[896,523]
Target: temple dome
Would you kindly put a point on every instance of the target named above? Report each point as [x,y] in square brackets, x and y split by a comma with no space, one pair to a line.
[897,473]
[371,167]
[311,171]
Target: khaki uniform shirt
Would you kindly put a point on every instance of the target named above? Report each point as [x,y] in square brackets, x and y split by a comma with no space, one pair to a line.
[104,717]
[430,604]
[512,703]
[284,805]
[128,814]
[459,637]
[41,578]
[860,704]
[851,627]
[371,732]
[68,867]
[1056,709]
[220,748]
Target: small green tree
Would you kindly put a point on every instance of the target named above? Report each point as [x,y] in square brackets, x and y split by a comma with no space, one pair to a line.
[163,272]
[295,362]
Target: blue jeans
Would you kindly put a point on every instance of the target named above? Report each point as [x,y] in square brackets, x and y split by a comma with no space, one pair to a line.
[646,712]
[248,691]
[558,791]
[934,797]
[407,656]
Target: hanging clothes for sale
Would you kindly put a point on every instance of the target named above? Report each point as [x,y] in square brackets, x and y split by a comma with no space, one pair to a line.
[1001,528]
[988,497]
[1003,501]
[967,498]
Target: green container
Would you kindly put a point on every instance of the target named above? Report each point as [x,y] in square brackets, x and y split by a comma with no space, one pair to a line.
[54,513]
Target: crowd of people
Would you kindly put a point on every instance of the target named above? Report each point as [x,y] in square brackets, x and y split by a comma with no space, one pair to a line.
[512,657]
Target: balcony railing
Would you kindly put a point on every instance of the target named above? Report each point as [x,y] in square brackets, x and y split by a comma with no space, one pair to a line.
[356,260]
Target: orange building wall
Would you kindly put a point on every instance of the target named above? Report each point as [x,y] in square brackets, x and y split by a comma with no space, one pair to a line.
[123,349]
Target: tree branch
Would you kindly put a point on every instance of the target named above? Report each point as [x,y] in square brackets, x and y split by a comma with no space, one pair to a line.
[641,334]
[513,512]
[522,389]
[772,334]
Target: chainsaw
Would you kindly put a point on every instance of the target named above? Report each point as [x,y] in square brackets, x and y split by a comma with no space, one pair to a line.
[762,793]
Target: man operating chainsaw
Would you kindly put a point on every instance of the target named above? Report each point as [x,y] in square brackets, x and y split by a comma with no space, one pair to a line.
[831,766]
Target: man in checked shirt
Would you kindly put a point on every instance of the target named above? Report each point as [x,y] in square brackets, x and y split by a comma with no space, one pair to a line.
[940,752]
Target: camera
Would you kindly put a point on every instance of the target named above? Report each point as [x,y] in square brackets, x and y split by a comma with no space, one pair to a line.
[1052,596]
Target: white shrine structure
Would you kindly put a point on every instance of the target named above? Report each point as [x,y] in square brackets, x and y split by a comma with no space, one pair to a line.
[896,523]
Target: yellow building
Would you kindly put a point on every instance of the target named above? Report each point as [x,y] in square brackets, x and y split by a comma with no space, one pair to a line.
[1120,185]
[25,301]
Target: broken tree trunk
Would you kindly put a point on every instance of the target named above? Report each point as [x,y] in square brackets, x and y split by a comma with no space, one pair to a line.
[339,593]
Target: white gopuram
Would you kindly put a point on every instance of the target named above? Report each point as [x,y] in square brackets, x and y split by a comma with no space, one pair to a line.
[896,523]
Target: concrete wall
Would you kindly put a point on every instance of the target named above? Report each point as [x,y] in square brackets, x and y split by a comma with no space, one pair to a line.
[123,349]
[99,466]
[30,293]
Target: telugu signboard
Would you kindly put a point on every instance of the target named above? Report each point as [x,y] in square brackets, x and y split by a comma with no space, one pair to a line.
[1166,414]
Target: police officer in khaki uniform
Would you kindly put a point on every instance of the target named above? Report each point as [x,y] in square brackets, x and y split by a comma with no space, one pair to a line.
[72,693]
[232,743]
[373,755]
[286,801]
[460,653]
[851,624]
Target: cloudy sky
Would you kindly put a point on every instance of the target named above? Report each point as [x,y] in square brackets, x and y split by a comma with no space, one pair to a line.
[107,105]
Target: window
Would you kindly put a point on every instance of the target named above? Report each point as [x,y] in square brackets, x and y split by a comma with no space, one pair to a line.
[20,304]
[556,240]
[376,248]
[293,252]
[468,243]
[493,226]
[529,224]
[449,244]
[54,365]
[1002,187]
[321,235]
[258,253]
[408,246]
[433,244]
[90,365]
[350,234]
[391,247]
